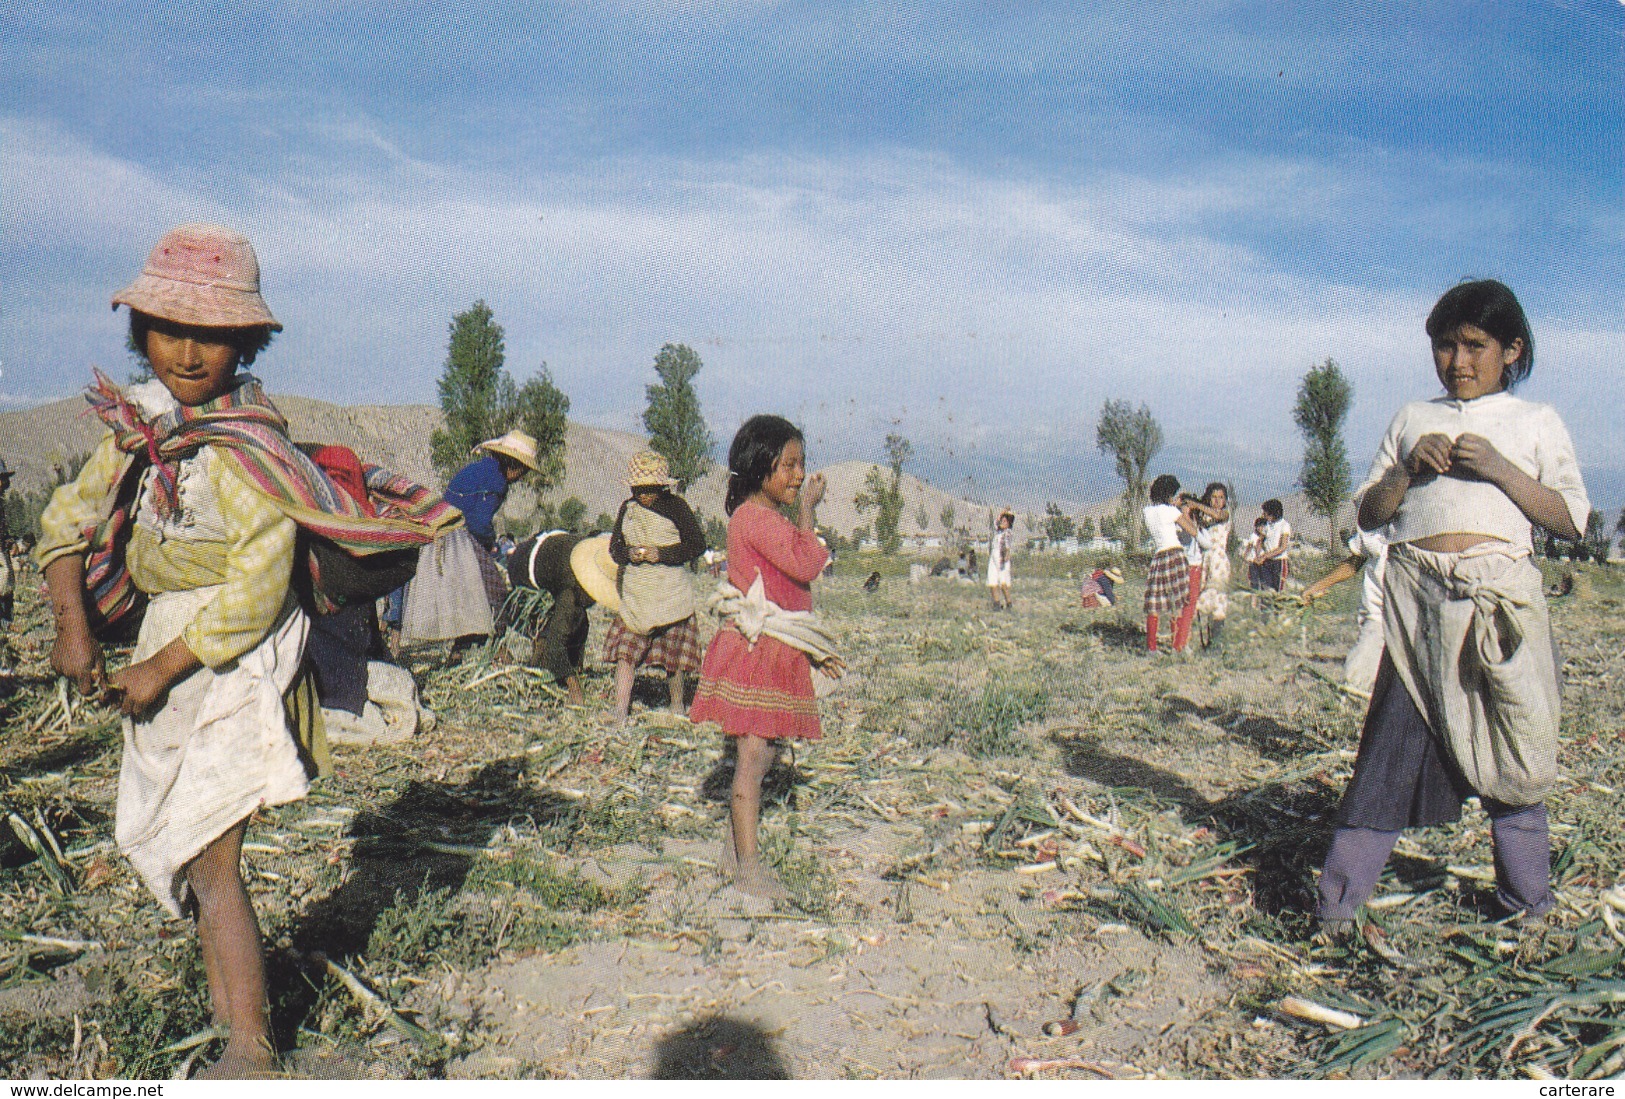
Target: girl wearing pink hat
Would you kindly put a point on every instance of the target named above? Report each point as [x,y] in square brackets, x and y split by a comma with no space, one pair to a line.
[187,512]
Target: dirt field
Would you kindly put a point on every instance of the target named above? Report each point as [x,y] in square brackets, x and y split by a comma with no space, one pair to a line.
[1014,820]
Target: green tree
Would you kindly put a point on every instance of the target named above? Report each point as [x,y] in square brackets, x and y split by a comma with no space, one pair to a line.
[480,400]
[716,533]
[1058,526]
[1133,437]
[860,535]
[1086,528]
[1597,536]
[676,427]
[922,518]
[884,495]
[1323,403]
[947,517]
[572,512]
[604,523]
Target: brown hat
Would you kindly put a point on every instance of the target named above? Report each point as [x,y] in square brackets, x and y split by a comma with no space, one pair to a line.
[201,274]
[649,468]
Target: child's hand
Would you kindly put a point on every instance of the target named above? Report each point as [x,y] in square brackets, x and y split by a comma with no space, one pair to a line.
[138,688]
[1476,456]
[812,490]
[142,686]
[833,667]
[78,656]
[1431,454]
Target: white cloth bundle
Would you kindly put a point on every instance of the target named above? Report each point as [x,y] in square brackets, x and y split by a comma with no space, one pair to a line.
[754,614]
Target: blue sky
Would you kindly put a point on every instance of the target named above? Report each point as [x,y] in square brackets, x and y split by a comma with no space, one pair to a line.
[971,223]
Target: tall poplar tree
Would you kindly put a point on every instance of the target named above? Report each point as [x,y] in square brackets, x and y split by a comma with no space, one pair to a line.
[1324,397]
[480,400]
[673,419]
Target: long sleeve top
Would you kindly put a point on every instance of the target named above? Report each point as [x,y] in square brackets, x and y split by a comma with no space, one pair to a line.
[788,559]
[1531,436]
[668,505]
[478,491]
[224,532]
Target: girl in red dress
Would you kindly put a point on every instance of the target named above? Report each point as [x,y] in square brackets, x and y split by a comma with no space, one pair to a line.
[761,690]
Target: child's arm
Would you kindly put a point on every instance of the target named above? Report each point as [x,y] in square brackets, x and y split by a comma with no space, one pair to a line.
[1347,569]
[1475,456]
[74,510]
[76,653]
[1430,457]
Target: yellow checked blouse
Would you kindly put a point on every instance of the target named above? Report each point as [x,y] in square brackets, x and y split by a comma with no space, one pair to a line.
[223,532]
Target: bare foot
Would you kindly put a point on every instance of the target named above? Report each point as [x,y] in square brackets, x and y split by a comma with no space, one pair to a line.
[758,880]
[243,1061]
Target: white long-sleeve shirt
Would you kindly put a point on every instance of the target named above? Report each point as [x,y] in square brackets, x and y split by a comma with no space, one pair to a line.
[1531,436]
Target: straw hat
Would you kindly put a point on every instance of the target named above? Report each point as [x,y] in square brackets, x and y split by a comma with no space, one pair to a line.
[1113,575]
[201,274]
[595,571]
[649,468]
[516,445]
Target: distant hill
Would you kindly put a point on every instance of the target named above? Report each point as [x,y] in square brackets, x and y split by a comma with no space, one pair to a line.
[33,441]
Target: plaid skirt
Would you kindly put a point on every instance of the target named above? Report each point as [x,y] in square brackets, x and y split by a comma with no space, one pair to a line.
[675,647]
[1168,584]
[495,584]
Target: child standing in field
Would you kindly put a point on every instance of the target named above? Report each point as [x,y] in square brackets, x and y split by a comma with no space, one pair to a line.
[1273,561]
[206,739]
[1212,513]
[1167,581]
[656,534]
[190,505]
[1467,698]
[1000,549]
[757,676]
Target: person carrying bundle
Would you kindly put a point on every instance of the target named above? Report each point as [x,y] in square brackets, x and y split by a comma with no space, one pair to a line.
[655,535]
[192,508]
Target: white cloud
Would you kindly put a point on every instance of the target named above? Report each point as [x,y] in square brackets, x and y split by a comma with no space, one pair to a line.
[985,311]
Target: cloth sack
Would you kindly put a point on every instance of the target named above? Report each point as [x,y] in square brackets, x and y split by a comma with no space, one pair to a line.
[652,595]
[1470,639]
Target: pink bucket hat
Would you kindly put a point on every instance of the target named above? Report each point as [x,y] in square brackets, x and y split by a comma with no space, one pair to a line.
[201,274]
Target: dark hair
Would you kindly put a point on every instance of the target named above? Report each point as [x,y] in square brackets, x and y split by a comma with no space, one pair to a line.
[248,341]
[756,446]
[1163,488]
[1272,507]
[1261,521]
[1216,486]
[1489,305]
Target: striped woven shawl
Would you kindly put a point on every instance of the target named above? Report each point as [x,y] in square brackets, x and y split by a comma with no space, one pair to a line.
[251,434]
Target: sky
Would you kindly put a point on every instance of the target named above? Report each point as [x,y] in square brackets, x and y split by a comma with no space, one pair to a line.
[968,223]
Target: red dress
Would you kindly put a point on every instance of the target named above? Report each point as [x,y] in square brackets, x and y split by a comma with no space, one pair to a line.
[764,689]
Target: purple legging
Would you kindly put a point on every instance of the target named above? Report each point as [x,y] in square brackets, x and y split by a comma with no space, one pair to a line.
[1523,869]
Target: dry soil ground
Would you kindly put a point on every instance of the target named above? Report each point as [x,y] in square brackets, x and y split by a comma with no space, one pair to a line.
[1015,821]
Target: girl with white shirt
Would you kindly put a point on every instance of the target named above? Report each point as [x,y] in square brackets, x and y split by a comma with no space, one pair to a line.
[1466,700]
[1167,583]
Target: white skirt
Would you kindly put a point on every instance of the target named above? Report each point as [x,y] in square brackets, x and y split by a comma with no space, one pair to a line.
[218,749]
[446,599]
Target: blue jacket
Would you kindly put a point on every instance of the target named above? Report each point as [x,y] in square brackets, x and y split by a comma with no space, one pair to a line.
[478,490]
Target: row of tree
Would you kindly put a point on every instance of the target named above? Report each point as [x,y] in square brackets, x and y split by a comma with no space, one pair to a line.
[481,400]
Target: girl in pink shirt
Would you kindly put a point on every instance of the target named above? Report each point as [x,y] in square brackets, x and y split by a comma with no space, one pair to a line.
[761,691]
